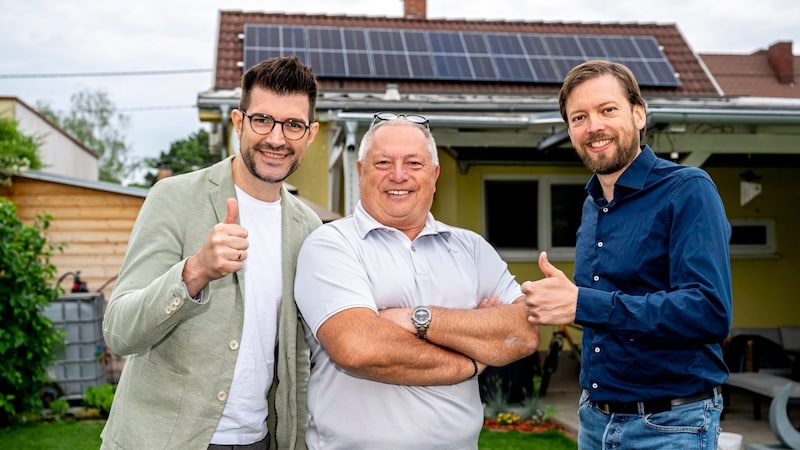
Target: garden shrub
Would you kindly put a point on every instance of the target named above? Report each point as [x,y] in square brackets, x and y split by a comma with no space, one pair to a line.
[100,397]
[27,337]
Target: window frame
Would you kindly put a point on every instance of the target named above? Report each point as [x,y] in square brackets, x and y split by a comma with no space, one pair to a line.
[755,251]
[543,216]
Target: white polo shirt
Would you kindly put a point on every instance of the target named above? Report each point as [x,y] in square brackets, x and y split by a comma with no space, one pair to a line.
[357,262]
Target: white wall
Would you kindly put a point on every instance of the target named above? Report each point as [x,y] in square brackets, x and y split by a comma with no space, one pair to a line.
[59,153]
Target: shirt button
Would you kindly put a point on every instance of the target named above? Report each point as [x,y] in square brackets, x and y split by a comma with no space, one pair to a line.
[605,210]
[597,349]
[600,244]
[594,385]
[596,278]
[413,249]
[222,396]
[233,345]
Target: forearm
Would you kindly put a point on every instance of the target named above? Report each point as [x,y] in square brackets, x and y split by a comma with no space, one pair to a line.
[494,336]
[367,346]
[420,363]
[136,317]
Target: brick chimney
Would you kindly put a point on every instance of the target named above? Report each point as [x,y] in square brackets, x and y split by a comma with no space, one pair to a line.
[415,9]
[781,60]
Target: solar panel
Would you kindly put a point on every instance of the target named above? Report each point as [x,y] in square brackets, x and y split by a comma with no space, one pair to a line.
[325,38]
[416,41]
[513,68]
[446,42]
[354,39]
[396,54]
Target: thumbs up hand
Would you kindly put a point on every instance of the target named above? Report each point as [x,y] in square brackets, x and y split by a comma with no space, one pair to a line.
[223,252]
[552,300]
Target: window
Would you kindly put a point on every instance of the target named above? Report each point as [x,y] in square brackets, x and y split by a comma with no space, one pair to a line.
[524,215]
[752,238]
[506,227]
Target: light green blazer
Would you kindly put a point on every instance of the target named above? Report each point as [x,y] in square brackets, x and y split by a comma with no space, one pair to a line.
[180,353]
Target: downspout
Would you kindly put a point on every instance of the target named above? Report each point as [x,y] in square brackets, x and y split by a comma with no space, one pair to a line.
[349,158]
[224,118]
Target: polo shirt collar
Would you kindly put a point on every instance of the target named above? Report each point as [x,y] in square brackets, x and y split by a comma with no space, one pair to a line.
[366,223]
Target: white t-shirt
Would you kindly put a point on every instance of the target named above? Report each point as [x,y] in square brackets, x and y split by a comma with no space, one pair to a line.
[244,417]
[357,262]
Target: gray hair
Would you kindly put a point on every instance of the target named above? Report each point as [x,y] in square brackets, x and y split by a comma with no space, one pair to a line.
[366,141]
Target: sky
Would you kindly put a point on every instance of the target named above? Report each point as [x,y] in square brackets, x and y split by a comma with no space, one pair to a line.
[175,40]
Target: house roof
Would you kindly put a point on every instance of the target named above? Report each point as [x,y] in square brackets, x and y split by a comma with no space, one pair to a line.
[86,184]
[50,123]
[753,75]
[694,80]
[490,122]
[325,214]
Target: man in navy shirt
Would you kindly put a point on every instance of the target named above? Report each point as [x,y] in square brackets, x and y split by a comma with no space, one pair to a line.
[652,282]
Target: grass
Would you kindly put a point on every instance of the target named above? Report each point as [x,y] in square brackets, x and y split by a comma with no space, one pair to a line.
[65,435]
[514,440]
[85,435]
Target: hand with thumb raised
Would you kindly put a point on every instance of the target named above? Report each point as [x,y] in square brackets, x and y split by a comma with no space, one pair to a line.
[548,269]
[552,300]
[223,252]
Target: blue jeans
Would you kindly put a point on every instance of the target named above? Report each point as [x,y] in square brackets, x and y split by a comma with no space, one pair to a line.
[693,426]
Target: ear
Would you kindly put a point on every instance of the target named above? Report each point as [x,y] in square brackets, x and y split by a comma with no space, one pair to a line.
[639,117]
[313,129]
[237,118]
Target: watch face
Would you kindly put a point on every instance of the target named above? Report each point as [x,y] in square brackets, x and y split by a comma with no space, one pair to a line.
[421,315]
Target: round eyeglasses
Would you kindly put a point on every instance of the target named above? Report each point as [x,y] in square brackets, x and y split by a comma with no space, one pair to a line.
[263,124]
[414,118]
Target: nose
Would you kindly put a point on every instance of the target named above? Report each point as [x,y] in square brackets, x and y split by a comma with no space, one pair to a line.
[594,123]
[398,172]
[275,137]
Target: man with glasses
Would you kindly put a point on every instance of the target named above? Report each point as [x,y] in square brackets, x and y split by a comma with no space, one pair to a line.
[402,311]
[204,305]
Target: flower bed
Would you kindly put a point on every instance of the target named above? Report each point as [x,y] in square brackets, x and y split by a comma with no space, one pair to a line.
[523,426]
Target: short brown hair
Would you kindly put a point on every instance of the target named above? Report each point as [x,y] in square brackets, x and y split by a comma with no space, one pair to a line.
[282,75]
[595,68]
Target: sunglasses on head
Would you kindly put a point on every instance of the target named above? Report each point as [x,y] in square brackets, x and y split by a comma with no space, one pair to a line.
[413,118]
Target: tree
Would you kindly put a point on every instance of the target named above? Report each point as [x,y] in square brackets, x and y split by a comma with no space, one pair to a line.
[94,122]
[185,155]
[18,151]
[27,337]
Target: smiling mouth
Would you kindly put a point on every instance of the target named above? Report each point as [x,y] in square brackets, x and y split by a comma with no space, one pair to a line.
[398,192]
[599,143]
[272,154]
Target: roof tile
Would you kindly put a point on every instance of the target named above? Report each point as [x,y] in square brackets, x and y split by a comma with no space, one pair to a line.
[751,75]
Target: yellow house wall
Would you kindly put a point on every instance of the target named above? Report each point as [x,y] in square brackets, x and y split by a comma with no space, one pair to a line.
[764,290]
[311,178]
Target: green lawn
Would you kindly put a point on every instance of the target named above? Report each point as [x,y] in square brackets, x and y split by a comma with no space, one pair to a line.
[514,440]
[66,435]
[85,435]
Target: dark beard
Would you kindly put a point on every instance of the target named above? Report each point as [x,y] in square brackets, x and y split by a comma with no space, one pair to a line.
[250,163]
[604,165]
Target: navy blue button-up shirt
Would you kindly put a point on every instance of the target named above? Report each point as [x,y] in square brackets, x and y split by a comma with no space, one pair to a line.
[654,278]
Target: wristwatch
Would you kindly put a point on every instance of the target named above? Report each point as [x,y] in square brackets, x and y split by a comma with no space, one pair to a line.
[421,317]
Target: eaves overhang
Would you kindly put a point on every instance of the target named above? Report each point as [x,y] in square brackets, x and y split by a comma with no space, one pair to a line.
[508,129]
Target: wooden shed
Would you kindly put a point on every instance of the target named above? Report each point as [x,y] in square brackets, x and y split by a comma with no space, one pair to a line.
[93,218]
